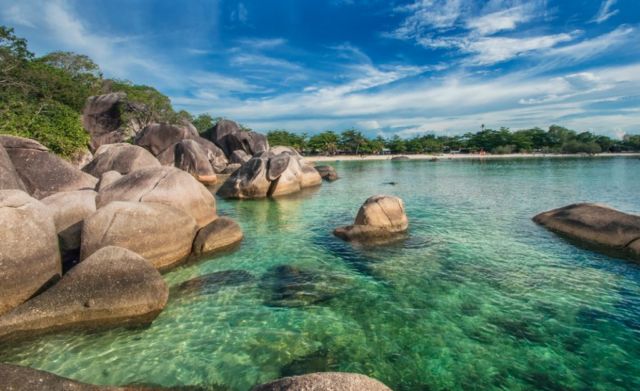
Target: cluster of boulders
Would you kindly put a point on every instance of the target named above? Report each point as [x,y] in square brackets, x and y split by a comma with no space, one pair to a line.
[597,226]
[80,250]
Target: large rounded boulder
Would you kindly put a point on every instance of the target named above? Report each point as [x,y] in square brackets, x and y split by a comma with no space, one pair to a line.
[250,181]
[230,137]
[42,172]
[160,233]
[216,236]
[69,210]
[380,217]
[9,178]
[165,185]
[596,225]
[324,381]
[192,158]
[113,287]
[101,117]
[123,158]
[327,173]
[159,137]
[29,254]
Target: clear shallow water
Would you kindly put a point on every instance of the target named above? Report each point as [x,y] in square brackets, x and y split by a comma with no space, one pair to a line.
[477,296]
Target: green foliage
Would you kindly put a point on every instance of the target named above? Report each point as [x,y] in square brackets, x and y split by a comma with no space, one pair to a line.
[289,139]
[204,122]
[325,143]
[151,104]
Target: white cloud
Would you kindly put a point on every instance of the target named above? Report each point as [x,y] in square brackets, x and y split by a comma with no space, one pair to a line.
[428,14]
[492,50]
[503,20]
[240,14]
[605,11]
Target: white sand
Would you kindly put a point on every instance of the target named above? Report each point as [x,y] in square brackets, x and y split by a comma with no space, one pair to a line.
[460,156]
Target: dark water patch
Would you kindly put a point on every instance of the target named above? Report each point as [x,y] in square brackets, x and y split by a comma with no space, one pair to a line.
[211,283]
[321,360]
[521,328]
[545,382]
[292,286]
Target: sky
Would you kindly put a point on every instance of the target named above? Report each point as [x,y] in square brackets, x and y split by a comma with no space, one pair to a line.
[385,67]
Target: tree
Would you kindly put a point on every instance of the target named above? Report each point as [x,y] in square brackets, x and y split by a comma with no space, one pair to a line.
[325,142]
[203,122]
[352,140]
[289,139]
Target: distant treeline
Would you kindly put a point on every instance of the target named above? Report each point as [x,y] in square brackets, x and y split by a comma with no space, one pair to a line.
[555,140]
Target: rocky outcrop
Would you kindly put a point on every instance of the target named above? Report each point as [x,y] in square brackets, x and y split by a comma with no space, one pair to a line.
[192,158]
[29,255]
[69,210]
[42,172]
[81,158]
[230,137]
[239,157]
[160,233]
[104,118]
[321,381]
[379,217]
[327,173]
[165,185]
[218,235]
[113,287]
[270,175]
[596,225]
[9,178]
[123,158]
[108,178]
[156,138]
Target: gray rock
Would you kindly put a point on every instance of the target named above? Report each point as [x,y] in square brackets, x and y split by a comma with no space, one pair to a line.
[156,138]
[327,173]
[277,165]
[42,172]
[108,178]
[113,287]
[215,155]
[192,158]
[401,157]
[231,168]
[324,381]
[16,378]
[250,181]
[123,158]
[29,255]
[69,210]
[81,158]
[9,178]
[218,235]
[160,233]
[379,217]
[229,137]
[239,157]
[165,185]
[597,225]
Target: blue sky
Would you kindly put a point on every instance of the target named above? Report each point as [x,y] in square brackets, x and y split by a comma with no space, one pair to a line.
[385,67]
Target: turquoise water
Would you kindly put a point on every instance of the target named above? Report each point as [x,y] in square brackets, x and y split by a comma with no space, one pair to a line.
[476,297]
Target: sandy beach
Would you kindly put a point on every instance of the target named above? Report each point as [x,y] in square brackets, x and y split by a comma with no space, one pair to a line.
[462,156]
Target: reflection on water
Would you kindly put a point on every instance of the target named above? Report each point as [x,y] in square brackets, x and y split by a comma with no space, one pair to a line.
[476,297]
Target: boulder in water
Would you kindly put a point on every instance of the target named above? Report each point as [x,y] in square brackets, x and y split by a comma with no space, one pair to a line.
[218,235]
[113,287]
[123,158]
[380,217]
[42,172]
[160,233]
[250,181]
[327,173]
[595,225]
[29,255]
[334,381]
[165,185]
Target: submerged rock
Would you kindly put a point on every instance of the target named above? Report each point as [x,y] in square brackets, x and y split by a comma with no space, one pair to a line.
[334,381]
[292,286]
[165,185]
[401,157]
[29,255]
[42,172]
[380,217]
[113,287]
[160,233]
[595,225]
[218,235]
[213,282]
[327,173]
[123,158]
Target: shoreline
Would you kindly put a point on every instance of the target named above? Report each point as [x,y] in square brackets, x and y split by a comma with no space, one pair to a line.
[337,158]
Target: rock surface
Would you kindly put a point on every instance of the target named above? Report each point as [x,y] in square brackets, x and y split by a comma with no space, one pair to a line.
[380,216]
[160,233]
[108,178]
[69,210]
[113,287]
[42,172]
[192,158]
[217,235]
[250,181]
[327,173]
[229,137]
[401,157]
[165,185]
[158,137]
[9,178]
[123,158]
[324,381]
[595,224]
[29,255]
